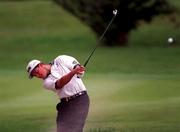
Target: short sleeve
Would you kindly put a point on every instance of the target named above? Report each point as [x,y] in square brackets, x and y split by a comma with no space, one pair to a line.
[49,83]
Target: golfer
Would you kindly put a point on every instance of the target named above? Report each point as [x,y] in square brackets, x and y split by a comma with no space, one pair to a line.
[63,76]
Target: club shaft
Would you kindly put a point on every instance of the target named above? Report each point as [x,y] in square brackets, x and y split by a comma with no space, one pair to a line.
[98,42]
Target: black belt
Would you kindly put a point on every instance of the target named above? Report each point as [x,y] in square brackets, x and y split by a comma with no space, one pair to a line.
[66,99]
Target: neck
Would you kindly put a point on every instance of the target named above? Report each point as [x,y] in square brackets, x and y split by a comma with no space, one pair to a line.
[48,67]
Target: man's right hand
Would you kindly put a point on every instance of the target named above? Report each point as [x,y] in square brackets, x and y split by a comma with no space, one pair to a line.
[79,70]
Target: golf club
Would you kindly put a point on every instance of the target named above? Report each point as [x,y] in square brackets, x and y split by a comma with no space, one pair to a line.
[101,37]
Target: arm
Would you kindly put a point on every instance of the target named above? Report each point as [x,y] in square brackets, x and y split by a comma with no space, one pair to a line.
[66,78]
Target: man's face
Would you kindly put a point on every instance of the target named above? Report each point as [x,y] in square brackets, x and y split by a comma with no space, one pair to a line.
[40,71]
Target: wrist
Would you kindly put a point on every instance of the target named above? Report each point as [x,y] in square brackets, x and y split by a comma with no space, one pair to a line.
[73,71]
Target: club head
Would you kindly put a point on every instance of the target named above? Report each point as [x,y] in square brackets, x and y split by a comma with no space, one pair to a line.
[115,12]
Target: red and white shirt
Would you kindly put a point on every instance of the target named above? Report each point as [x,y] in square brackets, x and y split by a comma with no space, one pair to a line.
[61,66]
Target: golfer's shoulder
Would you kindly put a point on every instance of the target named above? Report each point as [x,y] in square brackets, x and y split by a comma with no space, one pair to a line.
[63,58]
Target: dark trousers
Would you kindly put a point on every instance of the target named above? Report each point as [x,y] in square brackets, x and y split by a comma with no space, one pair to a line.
[72,114]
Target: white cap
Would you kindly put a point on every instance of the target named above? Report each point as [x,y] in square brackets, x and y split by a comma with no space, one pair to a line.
[31,65]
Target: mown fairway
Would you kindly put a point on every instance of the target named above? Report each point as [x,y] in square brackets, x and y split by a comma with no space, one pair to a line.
[133,89]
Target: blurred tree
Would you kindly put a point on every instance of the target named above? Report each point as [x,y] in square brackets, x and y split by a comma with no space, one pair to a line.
[97,14]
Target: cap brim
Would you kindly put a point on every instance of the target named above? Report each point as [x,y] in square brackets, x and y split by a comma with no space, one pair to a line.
[30,76]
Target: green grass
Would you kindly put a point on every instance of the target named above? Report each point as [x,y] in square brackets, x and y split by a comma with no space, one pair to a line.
[119,102]
[136,103]
[132,89]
